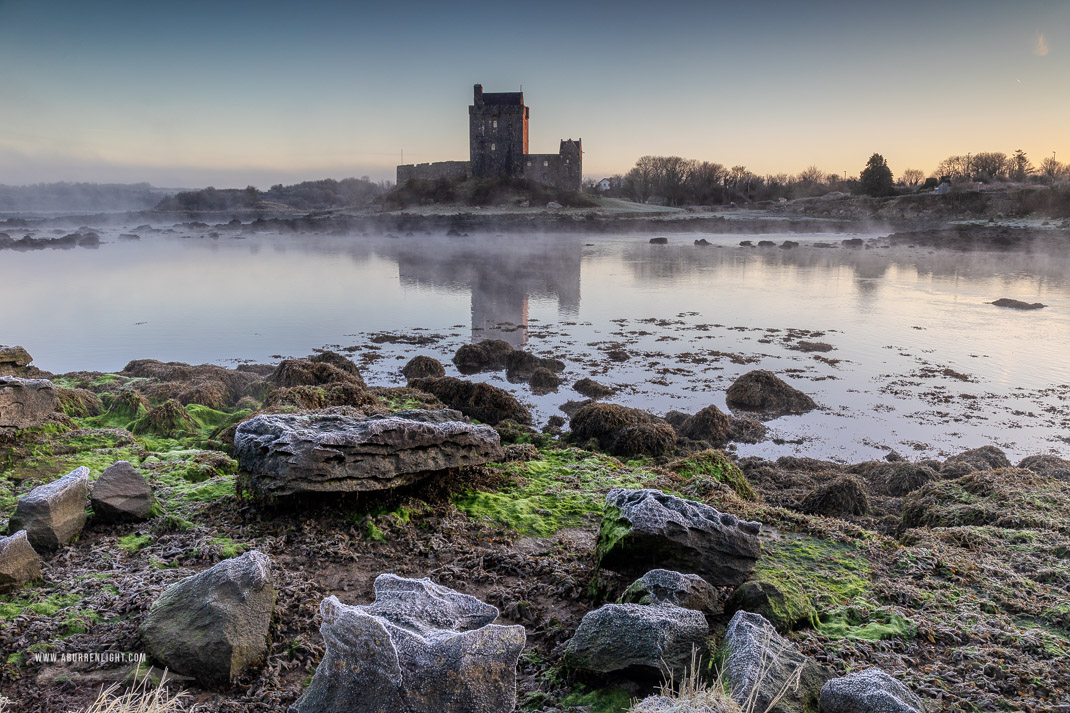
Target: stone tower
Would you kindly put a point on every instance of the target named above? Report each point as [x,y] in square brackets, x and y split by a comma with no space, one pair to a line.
[497,133]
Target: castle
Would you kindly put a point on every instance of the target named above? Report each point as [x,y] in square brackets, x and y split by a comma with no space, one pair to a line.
[498,147]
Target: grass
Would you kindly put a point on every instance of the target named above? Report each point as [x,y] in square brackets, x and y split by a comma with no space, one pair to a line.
[714,465]
[565,487]
[141,698]
[228,547]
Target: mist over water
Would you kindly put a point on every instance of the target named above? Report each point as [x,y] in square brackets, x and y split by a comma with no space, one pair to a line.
[919,361]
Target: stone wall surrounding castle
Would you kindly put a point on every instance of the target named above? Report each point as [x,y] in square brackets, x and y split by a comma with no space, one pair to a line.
[451,170]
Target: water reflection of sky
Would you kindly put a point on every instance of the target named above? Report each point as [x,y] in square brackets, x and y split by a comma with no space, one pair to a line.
[897,318]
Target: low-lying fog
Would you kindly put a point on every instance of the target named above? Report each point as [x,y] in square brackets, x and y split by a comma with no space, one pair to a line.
[919,361]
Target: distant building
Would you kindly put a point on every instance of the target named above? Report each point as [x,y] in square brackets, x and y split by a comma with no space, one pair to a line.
[604,185]
[498,147]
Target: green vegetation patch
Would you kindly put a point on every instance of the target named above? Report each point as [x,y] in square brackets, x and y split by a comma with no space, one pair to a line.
[565,487]
[613,700]
[229,548]
[714,465]
[836,577]
[46,605]
[133,542]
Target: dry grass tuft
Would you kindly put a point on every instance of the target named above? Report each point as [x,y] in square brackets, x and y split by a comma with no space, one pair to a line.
[142,698]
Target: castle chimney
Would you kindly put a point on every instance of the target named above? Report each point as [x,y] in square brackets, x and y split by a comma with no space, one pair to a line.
[478,99]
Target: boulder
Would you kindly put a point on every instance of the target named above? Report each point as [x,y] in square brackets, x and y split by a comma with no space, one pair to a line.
[643,529]
[477,400]
[543,381]
[747,430]
[487,355]
[13,358]
[592,389]
[53,514]
[122,494]
[869,691]
[520,365]
[764,391]
[622,431]
[708,425]
[214,625]
[646,641]
[896,478]
[25,403]
[1017,304]
[663,586]
[784,604]
[760,665]
[294,453]
[420,367]
[420,647]
[19,562]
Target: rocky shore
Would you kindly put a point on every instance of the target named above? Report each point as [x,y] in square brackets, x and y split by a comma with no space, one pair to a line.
[286,536]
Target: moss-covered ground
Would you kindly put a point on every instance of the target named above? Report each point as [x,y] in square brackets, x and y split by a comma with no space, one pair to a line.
[964,598]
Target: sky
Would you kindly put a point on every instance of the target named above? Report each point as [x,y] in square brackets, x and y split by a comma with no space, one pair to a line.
[234,92]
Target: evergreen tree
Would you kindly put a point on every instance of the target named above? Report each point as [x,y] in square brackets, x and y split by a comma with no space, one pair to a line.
[876,177]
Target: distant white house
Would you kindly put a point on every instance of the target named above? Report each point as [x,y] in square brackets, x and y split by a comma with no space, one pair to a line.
[604,185]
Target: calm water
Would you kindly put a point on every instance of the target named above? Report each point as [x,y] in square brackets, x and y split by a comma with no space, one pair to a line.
[920,363]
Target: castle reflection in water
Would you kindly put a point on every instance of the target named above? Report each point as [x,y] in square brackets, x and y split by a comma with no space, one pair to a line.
[501,281]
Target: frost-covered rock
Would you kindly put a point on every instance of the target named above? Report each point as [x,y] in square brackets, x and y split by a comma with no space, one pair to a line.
[760,664]
[19,562]
[869,691]
[287,454]
[420,647]
[53,514]
[662,586]
[650,640]
[645,529]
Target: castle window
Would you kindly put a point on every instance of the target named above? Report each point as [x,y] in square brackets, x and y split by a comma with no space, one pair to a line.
[494,147]
[494,124]
[529,164]
[545,163]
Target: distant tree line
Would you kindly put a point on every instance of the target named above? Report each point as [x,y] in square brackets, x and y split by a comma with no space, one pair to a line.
[310,195]
[47,197]
[675,181]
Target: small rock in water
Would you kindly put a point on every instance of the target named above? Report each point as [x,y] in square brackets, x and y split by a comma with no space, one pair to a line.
[19,562]
[419,647]
[53,514]
[659,241]
[420,367]
[1017,304]
[762,390]
[214,625]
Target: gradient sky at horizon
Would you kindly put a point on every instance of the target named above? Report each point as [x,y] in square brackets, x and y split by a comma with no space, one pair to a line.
[241,92]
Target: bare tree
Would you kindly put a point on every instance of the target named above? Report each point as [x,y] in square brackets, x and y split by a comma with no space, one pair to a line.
[705,181]
[812,175]
[954,166]
[1052,169]
[639,182]
[671,174]
[912,177]
[990,165]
